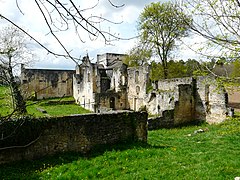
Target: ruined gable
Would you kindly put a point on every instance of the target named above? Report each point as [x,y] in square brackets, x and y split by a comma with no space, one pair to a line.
[104,84]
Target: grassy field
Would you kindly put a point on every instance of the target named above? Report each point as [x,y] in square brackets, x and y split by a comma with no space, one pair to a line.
[5,101]
[170,154]
[59,108]
[53,107]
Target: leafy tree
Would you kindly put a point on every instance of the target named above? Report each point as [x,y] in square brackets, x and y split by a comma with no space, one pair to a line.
[13,52]
[176,69]
[156,71]
[192,67]
[138,56]
[160,26]
[236,69]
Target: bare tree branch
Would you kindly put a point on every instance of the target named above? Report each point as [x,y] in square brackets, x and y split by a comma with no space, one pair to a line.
[59,16]
[54,34]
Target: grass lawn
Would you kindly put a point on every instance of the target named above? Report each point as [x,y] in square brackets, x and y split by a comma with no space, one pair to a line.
[60,108]
[170,154]
[5,101]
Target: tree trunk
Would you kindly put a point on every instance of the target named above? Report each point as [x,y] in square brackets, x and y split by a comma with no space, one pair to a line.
[18,101]
[165,71]
[165,67]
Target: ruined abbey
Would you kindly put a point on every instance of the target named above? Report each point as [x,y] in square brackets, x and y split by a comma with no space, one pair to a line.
[109,84]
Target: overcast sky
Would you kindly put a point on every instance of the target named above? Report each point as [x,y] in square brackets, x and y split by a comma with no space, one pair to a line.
[32,20]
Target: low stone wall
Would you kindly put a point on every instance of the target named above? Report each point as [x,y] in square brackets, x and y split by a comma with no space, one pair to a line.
[47,136]
[165,121]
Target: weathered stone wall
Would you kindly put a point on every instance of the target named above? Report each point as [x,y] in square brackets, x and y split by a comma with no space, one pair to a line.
[137,86]
[211,101]
[178,109]
[188,100]
[101,86]
[108,58]
[112,101]
[166,93]
[73,133]
[185,105]
[234,97]
[170,84]
[46,83]
[84,84]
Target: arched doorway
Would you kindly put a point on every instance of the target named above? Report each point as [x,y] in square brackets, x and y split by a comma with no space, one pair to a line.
[112,102]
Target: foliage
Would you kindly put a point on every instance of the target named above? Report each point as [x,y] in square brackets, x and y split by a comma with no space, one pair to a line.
[169,154]
[137,56]
[177,69]
[160,26]
[236,68]
[156,71]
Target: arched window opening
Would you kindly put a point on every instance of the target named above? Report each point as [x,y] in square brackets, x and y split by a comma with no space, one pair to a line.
[137,90]
[136,76]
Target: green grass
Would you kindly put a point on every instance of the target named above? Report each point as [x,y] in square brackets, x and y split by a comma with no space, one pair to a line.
[60,109]
[170,154]
[5,101]
[57,109]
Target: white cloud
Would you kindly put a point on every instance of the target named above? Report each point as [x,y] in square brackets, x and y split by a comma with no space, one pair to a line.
[33,21]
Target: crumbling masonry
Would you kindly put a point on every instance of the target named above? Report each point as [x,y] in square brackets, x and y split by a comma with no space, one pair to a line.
[109,85]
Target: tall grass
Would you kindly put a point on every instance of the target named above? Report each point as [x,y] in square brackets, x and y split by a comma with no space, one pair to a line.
[170,154]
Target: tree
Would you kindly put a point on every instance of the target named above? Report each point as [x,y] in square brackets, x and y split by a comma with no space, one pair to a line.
[160,26]
[218,21]
[156,71]
[138,56]
[192,67]
[13,52]
[236,67]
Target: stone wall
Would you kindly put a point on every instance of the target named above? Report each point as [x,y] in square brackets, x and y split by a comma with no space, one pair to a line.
[178,110]
[84,84]
[73,133]
[108,58]
[186,100]
[211,101]
[101,86]
[234,97]
[46,83]
[137,86]
[167,94]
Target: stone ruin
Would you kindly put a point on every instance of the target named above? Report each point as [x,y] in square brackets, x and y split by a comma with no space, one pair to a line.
[185,100]
[46,83]
[109,84]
